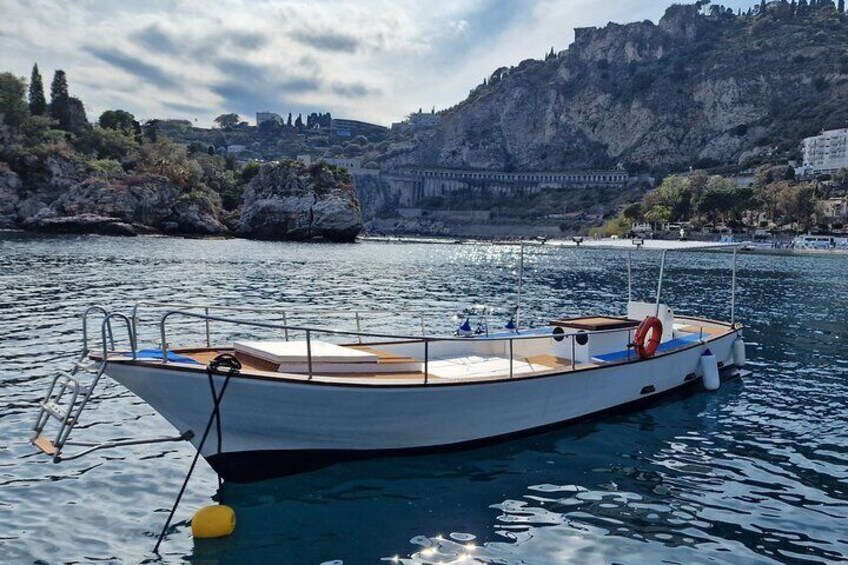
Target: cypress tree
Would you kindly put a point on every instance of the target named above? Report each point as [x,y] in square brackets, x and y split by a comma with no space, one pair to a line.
[841,6]
[60,102]
[762,7]
[289,121]
[37,102]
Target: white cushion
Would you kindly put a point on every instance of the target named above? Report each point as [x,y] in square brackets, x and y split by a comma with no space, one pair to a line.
[295,352]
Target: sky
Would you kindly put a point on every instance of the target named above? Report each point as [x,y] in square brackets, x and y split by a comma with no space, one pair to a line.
[372,60]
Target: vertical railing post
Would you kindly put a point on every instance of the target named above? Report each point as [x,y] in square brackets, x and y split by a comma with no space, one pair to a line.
[423,330]
[573,353]
[285,326]
[111,335]
[426,360]
[208,332]
[510,358]
[629,278]
[164,339]
[309,352]
[358,326]
[629,344]
[733,293]
[659,283]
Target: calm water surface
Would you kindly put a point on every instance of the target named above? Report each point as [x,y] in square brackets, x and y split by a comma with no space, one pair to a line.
[754,473]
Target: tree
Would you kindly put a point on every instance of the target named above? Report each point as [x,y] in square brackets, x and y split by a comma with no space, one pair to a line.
[840,6]
[77,120]
[150,129]
[60,101]
[673,194]
[289,121]
[658,215]
[298,123]
[227,121]
[798,203]
[633,212]
[120,120]
[768,195]
[37,102]
[13,107]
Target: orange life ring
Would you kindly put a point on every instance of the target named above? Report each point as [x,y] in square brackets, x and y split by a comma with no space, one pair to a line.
[647,346]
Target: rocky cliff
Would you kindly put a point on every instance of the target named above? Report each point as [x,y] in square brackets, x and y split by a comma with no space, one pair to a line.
[717,88]
[58,192]
[52,189]
[290,200]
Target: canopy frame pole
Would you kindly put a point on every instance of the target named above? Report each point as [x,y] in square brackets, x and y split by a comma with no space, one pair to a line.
[520,284]
[629,278]
[733,292]
[660,281]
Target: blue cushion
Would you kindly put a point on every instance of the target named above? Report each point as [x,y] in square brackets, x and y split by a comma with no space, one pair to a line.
[157,354]
[631,355]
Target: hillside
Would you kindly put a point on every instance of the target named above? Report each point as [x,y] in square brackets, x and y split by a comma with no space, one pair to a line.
[695,89]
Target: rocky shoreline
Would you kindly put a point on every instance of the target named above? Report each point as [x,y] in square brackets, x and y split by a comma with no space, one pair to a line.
[57,193]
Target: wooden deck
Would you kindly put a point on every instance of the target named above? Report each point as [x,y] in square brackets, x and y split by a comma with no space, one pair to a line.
[254,366]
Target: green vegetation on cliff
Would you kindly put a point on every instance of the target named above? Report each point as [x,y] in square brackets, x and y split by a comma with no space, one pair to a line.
[58,173]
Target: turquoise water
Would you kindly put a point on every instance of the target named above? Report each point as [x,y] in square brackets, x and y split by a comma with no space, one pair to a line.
[754,473]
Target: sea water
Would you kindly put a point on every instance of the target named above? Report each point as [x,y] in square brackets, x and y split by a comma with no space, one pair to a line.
[756,472]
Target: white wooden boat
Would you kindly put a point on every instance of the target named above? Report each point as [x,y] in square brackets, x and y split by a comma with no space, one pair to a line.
[316,395]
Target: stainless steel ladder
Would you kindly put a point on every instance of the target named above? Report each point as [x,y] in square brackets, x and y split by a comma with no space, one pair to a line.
[70,391]
[67,395]
[65,400]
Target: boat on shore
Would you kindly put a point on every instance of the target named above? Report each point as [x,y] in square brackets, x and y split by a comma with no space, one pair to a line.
[312,395]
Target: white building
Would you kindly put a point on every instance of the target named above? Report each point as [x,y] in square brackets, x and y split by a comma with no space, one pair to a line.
[826,153]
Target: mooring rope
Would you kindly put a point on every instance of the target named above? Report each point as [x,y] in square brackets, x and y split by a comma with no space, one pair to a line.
[224,360]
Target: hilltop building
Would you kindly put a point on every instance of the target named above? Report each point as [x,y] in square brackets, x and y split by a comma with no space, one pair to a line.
[352,128]
[412,185]
[417,121]
[262,117]
[826,153]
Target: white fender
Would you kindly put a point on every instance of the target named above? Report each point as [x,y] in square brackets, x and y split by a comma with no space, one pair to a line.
[739,357]
[709,368]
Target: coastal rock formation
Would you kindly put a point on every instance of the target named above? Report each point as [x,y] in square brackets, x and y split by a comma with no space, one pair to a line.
[293,201]
[695,88]
[10,184]
[59,193]
[144,200]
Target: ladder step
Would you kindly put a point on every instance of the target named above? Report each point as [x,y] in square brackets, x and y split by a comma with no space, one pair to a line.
[45,445]
[56,410]
[72,383]
[92,368]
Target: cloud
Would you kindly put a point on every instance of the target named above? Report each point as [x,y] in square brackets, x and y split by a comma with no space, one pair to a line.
[326,40]
[190,109]
[353,89]
[155,39]
[372,60]
[133,66]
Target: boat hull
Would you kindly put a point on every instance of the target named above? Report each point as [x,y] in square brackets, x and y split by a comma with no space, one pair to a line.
[272,427]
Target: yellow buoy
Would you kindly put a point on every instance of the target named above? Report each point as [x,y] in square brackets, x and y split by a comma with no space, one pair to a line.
[213,522]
